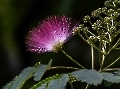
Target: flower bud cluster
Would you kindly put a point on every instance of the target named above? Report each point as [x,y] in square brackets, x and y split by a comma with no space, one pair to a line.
[107,23]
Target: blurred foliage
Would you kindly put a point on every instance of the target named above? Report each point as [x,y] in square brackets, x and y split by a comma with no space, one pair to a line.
[19,17]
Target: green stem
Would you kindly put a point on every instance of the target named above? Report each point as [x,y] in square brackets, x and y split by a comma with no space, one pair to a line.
[91,33]
[107,28]
[112,63]
[114,46]
[103,56]
[100,54]
[90,23]
[110,69]
[92,54]
[91,44]
[62,67]
[71,58]
[98,37]
[103,60]
[117,48]
[109,34]
[71,85]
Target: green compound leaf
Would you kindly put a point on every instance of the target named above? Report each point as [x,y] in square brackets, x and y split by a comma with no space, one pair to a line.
[43,86]
[44,83]
[63,81]
[59,83]
[110,77]
[117,73]
[41,70]
[88,76]
[106,83]
[54,84]
[23,77]
[19,81]
[9,85]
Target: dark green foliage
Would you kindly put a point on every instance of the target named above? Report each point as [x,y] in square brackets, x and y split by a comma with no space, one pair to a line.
[94,77]
[19,81]
[9,85]
[37,71]
[110,77]
[59,83]
[63,81]
[117,73]
[44,83]
[41,70]
[88,76]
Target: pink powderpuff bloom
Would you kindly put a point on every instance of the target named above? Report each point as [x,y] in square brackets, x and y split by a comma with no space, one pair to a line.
[50,34]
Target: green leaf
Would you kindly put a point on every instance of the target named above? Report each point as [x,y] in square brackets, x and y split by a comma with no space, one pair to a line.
[46,81]
[59,83]
[27,73]
[19,81]
[54,84]
[117,73]
[43,86]
[9,85]
[37,64]
[63,81]
[23,77]
[41,70]
[89,76]
[110,77]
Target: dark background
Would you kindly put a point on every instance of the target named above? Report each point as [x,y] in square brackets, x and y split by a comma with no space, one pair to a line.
[18,17]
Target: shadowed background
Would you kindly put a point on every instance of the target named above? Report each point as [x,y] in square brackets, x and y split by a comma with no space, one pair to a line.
[17,18]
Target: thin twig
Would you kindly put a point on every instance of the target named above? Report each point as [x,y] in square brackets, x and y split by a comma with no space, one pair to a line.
[100,54]
[92,54]
[91,33]
[71,59]
[71,85]
[62,67]
[91,44]
[112,63]
[110,69]
[103,56]
[114,46]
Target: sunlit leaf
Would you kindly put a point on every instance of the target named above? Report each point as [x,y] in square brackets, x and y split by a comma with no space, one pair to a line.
[19,81]
[111,77]
[117,72]
[41,70]
[44,83]
[10,84]
[43,86]
[88,76]
[59,83]
[63,81]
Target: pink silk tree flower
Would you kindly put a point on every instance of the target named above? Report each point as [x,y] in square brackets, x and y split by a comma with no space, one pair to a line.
[50,34]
